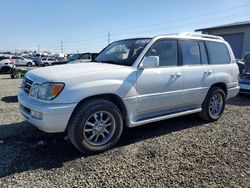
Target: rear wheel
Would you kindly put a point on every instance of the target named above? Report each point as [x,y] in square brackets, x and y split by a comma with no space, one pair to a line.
[95,126]
[214,104]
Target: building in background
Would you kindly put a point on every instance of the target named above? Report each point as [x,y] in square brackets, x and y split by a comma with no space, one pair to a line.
[236,34]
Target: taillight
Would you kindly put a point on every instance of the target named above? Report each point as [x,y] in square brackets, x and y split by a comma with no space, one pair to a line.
[11,62]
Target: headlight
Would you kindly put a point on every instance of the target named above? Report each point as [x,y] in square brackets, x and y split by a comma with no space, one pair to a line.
[49,91]
[34,90]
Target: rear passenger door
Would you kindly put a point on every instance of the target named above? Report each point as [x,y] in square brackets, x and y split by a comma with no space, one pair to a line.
[198,74]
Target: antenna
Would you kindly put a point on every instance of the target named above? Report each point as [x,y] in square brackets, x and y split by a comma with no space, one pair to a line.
[61,46]
[108,37]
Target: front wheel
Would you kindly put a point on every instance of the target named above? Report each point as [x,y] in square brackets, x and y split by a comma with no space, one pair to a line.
[95,126]
[213,105]
[29,64]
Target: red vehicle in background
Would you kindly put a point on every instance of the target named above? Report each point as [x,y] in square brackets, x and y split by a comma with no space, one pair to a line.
[6,64]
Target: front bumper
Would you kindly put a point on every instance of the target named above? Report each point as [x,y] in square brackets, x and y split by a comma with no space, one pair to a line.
[55,117]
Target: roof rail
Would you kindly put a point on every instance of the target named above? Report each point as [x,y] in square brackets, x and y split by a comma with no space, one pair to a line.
[201,35]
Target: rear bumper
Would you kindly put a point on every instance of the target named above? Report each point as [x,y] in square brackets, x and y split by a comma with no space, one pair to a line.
[55,117]
[232,92]
[244,88]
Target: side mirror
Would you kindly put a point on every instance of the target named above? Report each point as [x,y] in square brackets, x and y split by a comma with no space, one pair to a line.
[150,62]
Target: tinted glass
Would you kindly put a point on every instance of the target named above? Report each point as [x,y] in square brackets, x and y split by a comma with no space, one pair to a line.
[74,57]
[167,52]
[85,56]
[218,53]
[94,55]
[190,53]
[203,52]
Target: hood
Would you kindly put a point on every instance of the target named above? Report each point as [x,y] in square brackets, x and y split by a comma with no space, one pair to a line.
[62,72]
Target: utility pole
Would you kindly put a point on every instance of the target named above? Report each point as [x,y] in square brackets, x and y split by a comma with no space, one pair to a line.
[38,48]
[108,37]
[61,46]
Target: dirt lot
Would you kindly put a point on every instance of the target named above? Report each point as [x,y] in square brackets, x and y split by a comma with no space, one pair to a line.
[181,152]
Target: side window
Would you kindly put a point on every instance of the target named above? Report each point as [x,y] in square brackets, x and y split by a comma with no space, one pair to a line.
[190,52]
[218,53]
[85,56]
[167,52]
[203,52]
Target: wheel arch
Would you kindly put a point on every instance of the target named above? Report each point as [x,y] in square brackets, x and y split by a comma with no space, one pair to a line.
[221,85]
[110,97]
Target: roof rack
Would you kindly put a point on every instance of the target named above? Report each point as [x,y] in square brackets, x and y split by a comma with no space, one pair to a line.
[201,35]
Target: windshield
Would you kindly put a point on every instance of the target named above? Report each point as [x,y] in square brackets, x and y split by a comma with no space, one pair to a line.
[122,52]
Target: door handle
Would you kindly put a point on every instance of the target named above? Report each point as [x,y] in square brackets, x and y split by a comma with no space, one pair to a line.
[176,75]
[208,72]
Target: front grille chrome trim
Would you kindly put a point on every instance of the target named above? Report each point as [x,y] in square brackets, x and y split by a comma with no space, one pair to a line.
[27,83]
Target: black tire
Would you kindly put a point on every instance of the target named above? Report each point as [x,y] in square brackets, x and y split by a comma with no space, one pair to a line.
[46,64]
[29,64]
[206,114]
[82,114]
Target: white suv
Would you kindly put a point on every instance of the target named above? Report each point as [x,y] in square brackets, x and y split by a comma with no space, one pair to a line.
[46,61]
[132,82]
[23,61]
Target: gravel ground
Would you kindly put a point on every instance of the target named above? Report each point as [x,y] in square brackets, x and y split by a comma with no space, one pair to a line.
[181,152]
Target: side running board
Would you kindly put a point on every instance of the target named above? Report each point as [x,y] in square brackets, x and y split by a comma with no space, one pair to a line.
[159,118]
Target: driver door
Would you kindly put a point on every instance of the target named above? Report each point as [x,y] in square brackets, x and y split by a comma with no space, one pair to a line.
[161,88]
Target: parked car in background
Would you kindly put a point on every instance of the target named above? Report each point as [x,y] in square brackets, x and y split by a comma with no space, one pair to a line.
[131,82]
[3,57]
[86,57]
[6,65]
[244,81]
[46,61]
[21,61]
[241,65]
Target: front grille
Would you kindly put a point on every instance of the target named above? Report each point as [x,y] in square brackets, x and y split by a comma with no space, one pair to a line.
[27,85]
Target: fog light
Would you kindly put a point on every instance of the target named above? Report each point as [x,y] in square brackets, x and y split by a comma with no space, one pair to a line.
[36,115]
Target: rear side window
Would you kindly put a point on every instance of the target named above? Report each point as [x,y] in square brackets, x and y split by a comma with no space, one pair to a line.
[190,53]
[218,53]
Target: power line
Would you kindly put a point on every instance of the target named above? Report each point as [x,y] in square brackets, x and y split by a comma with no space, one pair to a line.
[157,29]
[184,19]
[157,24]
[108,38]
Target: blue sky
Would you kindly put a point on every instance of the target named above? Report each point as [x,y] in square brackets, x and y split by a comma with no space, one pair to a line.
[83,25]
